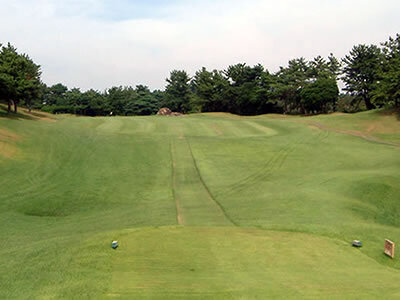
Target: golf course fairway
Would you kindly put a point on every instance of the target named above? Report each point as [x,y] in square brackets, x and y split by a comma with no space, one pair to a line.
[204,206]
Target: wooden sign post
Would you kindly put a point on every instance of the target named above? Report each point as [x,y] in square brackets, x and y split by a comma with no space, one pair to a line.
[389,248]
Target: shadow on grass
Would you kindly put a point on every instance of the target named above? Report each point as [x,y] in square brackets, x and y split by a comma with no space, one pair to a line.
[33,116]
[397,112]
[13,116]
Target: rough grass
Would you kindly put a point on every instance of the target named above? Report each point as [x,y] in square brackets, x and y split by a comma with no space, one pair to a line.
[378,123]
[267,207]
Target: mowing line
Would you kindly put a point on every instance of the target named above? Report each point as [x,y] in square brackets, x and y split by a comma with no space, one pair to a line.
[177,204]
[207,189]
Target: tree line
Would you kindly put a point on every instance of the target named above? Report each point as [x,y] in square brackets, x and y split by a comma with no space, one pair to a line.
[124,101]
[370,73]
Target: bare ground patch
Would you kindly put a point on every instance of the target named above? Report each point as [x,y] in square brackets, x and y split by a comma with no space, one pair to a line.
[39,115]
[216,129]
[8,135]
[387,125]
[24,114]
[8,150]
[353,133]
[7,143]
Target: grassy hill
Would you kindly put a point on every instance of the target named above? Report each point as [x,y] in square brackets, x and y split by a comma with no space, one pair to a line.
[204,206]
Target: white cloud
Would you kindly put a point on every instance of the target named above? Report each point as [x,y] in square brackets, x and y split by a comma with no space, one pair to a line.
[78,44]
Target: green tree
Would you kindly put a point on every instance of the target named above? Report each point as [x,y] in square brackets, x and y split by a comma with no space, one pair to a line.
[19,77]
[387,90]
[140,101]
[55,95]
[289,82]
[72,96]
[320,67]
[264,95]
[210,90]
[334,66]
[320,95]
[177,92]
[116,99]
[158,97]
[146,102]
[92,103]
[245,83]
[362,67]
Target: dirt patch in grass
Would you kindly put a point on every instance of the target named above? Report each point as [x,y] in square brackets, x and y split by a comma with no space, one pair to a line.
[39,115]
[7,143]
[6,135]
[371,128]
[273,116]
[314,127]
[8,150]
[216,129]
[388,125]
[47,119]
[24,114]
[222,114]
[339,114]
[353,133]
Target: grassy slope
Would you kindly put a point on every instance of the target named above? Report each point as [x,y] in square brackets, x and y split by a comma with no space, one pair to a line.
[69,187]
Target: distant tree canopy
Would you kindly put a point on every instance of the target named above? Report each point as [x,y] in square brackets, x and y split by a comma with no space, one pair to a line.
[124,101]
[371,75]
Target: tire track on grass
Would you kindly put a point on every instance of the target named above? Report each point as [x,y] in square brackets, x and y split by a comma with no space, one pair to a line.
[273,164]
[216,202]
[178,207]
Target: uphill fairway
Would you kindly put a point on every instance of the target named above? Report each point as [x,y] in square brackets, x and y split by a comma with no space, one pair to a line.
[204,206]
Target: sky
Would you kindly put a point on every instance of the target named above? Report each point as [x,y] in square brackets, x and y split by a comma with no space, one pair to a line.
[99,44]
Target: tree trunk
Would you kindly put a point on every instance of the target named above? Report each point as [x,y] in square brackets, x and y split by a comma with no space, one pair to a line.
[9,106]
[15,107]
[285,108]
[303,110]
[368,103]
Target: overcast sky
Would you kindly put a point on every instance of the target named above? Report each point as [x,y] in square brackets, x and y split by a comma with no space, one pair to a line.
[99,44]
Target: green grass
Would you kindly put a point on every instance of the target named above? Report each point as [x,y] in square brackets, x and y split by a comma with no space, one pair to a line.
[204,206]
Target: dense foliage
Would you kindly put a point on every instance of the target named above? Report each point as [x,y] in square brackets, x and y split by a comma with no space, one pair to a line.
[387,88]
[124,101]
[362,70]
[19,77]
[371,75]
